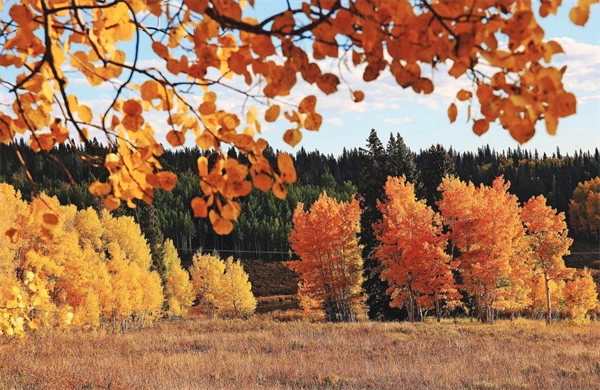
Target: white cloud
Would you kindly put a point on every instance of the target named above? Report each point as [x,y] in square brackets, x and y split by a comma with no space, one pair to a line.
[583,65]
[398,121]
[335,121]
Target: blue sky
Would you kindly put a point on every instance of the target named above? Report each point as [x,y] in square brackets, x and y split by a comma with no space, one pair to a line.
[420,119]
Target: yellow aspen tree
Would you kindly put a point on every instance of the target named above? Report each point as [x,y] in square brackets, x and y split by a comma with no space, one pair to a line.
[179,291]
[581,296]
[548,236]
[207,278]
[238,298]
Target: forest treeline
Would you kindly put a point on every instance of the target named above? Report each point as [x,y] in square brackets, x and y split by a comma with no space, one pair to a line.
[265,223]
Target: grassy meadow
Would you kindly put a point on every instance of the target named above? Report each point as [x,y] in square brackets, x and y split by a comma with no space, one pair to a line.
[264,354]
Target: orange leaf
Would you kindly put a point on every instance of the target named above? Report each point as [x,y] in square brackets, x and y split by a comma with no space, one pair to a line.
[168,180]
[175,138]
[279,190]
[551,123]
[292,137]
[161,50]
[286,168]
[423,85]
[463,95]
[313,121]
[99,189]
[202,166]
[231,211]
[480,126]
[452,112]
[200,207]
[579,15]
[222,226]
[262,182]
[132,107]
[308,104]
[50,219]
[358,96]
[111,202]
[150,90]
[272,113]
[328,83]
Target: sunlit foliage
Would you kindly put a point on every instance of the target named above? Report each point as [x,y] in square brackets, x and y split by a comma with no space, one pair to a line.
[222,287]
[330,265]
[203,48]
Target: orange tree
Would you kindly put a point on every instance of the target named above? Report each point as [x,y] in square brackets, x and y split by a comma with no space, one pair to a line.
[203,47]
[412,251]
[330,265]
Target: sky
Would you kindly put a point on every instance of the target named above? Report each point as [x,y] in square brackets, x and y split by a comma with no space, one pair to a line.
[421,120]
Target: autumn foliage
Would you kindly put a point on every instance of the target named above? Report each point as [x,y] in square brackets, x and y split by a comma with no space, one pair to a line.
[330,265]
[412,249]
[94,272]
[222,287]
[585,208]
[205,47]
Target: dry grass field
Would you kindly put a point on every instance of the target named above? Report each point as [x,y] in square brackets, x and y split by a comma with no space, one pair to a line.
[264,354]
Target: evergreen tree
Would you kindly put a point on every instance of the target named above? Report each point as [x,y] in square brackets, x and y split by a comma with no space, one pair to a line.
[436,163]
[148,220]
[374,171]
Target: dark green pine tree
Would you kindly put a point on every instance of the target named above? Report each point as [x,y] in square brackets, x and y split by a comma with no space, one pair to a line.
[149,224]
[374,170]
[436,163]
[401,161]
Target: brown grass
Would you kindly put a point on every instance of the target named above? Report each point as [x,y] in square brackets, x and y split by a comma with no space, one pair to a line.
[263,354]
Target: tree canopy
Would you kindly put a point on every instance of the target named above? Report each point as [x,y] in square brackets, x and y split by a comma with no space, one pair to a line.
[206,47]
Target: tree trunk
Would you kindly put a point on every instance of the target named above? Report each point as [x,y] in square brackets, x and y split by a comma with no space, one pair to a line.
[437,309]
[548,299]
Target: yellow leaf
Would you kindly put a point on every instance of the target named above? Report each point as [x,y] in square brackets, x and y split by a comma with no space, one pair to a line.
[292,137]
[85,114]
[272,113]
[199,207]
[452,112]
[286,168]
